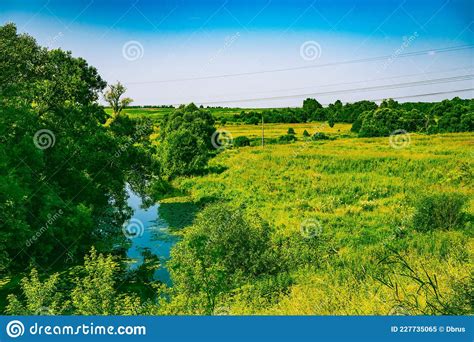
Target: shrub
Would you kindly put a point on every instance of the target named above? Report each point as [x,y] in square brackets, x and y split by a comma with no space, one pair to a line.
[439,211]
[306,134]
[224,249]
[241,141]
[287,138]
[319,136]
[291,131]
[186,141]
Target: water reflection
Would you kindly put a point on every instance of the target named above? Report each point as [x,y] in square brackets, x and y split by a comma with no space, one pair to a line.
[154,237]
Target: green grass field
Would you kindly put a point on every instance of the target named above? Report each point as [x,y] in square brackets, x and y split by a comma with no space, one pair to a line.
[361,194]
[157,113]
[276,130]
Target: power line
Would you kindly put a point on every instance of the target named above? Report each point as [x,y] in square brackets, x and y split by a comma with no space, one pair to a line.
[428,94]
[353,82]
[354,61]
[352,90]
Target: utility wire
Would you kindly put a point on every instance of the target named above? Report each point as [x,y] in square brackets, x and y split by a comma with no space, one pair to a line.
[354,61]
[352,90]
[428,94]
[465,68]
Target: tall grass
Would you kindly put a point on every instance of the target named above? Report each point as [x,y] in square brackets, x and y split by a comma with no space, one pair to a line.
[362,192]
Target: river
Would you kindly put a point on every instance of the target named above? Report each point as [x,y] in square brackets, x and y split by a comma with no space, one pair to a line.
[154,235]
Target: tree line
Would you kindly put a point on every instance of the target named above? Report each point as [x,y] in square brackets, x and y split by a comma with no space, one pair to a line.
[370,119]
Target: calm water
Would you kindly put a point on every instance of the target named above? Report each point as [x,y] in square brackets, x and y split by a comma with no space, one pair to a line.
[156,237]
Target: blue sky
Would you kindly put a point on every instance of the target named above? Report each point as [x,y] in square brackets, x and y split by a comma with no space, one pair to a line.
[151,46]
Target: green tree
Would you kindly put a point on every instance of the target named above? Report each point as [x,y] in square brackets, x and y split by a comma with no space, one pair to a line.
[186,141]
[73,172]
[113,96]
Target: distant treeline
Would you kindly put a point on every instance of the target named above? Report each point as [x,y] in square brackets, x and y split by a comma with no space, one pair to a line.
[151,106]
[370,119]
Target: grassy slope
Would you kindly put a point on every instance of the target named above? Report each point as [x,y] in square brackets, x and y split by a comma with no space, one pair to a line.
[361,190]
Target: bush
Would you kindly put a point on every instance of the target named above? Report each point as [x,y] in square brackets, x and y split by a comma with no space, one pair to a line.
[306,134]
[224,249]
[241,141]
[439,211]
[319,136]
[291,131]
[287,138]
[186,141]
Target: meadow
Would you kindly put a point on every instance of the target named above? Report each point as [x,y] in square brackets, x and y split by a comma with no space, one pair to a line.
[357,195]
[275,130]
[157,113]
[345,211]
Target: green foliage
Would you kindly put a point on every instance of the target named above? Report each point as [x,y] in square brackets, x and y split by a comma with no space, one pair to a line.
[439,211]
[113,96]
[319,136]
[401,274]
[357,189]
[287,138]
[223,249]
[91,290]
[53,197]
[41,298]
[186,141]
[454,115]
[291,131]
[380,122]
[241,141]
[306,134]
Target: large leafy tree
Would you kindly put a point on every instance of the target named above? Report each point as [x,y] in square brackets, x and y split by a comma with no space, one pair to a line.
[186,141]
[56,186]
